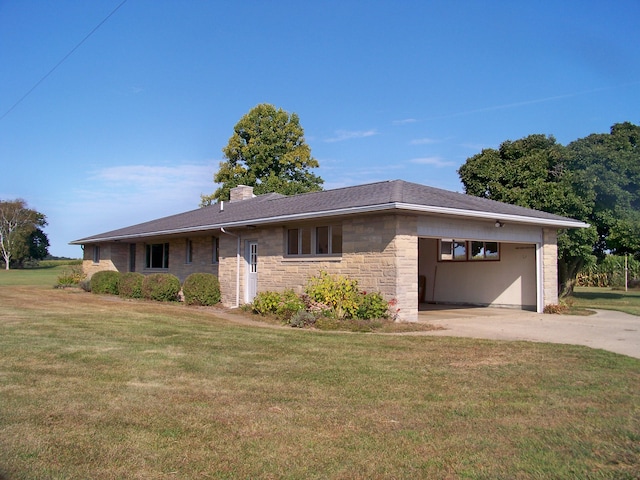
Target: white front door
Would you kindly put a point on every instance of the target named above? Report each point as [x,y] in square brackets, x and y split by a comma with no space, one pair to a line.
[252,271]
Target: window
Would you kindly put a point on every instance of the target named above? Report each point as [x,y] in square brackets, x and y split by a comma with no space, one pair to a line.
[324,240]
[215,250]
[462,251]
[96,254]
[453,250]
[157,255]
[484,251]
[189,251]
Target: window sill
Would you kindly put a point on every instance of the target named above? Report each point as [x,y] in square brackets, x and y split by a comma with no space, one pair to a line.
[326,258]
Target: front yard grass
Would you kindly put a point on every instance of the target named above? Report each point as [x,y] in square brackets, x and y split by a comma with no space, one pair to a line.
[96,387]
[607,299]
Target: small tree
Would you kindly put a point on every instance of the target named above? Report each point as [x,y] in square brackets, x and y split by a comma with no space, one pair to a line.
[268,152]
[17,224]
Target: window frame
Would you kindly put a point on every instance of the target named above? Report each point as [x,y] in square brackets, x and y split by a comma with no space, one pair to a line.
[308,241]
[215,250]
[447,253]
[484,257]
[96,254]
[188,254]
[149,257]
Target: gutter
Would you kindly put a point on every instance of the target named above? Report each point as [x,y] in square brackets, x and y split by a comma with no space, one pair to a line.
[410,207]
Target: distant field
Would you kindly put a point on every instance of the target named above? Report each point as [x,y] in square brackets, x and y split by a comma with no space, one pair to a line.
[608,299]
[99,387]
[46,276]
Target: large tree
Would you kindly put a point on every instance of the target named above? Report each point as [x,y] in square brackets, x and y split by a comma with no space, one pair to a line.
[609,165]
[21,235]
[533,172]
[595,179]
[268,152]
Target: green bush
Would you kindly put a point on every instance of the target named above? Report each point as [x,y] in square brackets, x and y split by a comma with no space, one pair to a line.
[201,289]
[372,305]
[71,276]
[283,305]
[85,285]
[338,292]
[266,303]
[105,281]
[302,319]
[131,285]
[163,287]
[290,304]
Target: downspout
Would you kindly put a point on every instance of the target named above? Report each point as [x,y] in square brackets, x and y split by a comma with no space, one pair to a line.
[237,266]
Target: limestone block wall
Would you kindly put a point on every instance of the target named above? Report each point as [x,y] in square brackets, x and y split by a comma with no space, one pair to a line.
[549,266]
[201,258]
[373,253]
[113,256]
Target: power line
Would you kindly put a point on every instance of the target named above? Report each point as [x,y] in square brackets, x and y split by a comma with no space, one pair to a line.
[62,60]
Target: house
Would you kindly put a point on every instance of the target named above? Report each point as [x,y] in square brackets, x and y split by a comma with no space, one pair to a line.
[411,242]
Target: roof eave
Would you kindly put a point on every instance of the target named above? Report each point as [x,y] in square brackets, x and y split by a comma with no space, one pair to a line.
[519,219]
[503,217]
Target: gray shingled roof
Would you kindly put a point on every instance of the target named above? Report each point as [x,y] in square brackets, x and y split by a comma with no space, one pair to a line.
[388,195]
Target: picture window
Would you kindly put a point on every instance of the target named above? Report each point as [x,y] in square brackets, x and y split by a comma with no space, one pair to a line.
[157,255]
[319,241]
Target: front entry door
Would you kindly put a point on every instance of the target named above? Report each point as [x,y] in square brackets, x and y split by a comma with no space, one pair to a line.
[252,271]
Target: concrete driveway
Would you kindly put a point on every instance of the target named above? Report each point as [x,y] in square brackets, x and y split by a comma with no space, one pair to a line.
[614,331]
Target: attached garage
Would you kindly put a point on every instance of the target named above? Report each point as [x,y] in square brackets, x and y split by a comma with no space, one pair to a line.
[473,262]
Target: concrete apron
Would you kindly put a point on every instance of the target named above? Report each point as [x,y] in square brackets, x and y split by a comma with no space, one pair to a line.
[609,330]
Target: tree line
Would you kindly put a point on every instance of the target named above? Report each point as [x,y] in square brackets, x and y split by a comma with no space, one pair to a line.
[21,234]
[595,179]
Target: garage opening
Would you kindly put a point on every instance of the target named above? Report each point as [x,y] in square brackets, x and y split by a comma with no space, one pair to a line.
[476,273]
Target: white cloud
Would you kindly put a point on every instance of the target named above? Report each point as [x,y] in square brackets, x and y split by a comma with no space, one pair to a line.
[342,135]
[433,161]
[423,141]
[404,121]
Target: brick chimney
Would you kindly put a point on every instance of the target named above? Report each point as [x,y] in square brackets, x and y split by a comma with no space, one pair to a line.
[241,192]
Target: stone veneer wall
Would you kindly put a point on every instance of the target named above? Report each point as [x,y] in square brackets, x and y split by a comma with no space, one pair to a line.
[373,253]
[113,256]
[549,266]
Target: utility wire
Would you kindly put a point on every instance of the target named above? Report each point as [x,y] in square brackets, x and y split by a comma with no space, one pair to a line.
[61,61]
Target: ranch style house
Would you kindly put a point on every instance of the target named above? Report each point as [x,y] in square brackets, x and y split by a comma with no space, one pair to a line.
[412,243]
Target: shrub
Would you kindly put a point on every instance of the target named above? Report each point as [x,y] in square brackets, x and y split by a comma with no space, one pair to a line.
[163,287]
[131,285]
[284,305]
[105,281]
[372,305]
[201,289]
[339,292]
[85,285]
[71,277]
[557,309]
[290,304]
[266,303]
[302,319]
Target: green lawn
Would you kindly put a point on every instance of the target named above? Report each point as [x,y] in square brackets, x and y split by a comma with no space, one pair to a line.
[97,387]
[607,299]
[37,277]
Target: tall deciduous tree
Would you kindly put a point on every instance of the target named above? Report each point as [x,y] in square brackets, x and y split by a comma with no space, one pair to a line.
[268,152]
[609,165]
[19,230]
[533,172]
[595,179]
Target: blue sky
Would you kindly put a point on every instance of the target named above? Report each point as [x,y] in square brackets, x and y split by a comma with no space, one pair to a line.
[131,125]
